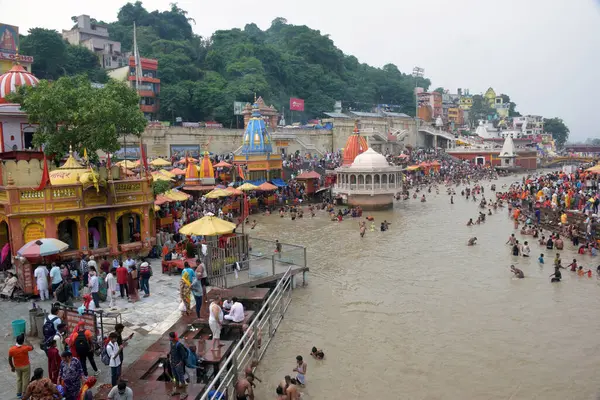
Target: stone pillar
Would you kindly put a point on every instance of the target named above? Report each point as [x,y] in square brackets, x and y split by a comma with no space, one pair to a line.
[114,238]
[145,227]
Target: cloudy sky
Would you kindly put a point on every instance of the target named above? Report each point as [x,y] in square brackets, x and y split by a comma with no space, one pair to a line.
[544,54]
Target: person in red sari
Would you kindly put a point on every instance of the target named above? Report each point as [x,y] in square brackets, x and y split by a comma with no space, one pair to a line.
[132,282]
[53,362]
[86,390]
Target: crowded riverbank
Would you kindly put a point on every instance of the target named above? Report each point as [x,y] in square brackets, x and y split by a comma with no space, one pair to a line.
[415,312]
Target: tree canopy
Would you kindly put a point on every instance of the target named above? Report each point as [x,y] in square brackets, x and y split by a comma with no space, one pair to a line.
[558,129]
[202,77]
[53,57]
[70,111]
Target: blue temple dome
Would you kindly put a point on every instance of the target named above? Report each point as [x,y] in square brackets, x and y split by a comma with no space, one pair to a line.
[256,138]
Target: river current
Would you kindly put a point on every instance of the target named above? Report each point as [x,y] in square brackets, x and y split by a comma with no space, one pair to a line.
[413,313]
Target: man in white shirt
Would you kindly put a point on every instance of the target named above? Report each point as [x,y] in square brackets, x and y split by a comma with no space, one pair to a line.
[130,262]
[94,286]
[237,311]
[111,288]
[120,392]
[53,317]
[41,279]
[113,349]
[56,276]
[59,337]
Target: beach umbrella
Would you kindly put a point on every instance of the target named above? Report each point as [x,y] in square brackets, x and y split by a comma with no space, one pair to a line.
[247,187]
[216,193]
[208,226]
[167,173]
[42,247]
[159,162]
[234,191]
[267,187]
[178,171]
[222,164]
[127,164]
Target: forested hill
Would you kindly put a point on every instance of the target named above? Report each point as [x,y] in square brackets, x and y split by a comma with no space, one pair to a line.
[202,77]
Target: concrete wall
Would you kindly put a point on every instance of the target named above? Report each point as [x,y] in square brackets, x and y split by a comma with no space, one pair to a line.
[12,131]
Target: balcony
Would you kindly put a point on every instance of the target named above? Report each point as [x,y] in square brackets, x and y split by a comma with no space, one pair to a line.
[149,109]
[146,93]
[145,79]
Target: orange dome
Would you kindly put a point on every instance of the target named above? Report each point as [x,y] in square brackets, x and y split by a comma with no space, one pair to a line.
[355,145]
[15,77]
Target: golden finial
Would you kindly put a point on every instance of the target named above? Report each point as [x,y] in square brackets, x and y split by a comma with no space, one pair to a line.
[255,97]
[17,56]
[10,180]
[356,131]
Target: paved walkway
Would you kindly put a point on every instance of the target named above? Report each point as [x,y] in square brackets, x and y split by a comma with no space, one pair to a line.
[148,319]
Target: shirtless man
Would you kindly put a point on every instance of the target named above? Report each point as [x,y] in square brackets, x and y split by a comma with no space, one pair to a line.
[290,389]
[281,395]
[472,241]
[518,273]
[243,389]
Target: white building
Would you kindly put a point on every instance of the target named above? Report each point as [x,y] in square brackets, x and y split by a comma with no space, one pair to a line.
[94,36]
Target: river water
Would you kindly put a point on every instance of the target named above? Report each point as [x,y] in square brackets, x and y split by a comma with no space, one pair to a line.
[413,313]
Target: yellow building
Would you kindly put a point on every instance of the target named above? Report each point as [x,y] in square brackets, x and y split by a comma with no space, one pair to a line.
[490,96]
[9,49]
[465,102]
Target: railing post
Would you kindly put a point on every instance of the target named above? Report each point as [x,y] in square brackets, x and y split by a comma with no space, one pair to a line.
[305,257]
[273,264]
[224,275]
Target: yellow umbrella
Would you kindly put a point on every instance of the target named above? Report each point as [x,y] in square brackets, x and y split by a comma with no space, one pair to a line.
[167,173]
[127,164]
[157,176]
[208,226]
[595,169]
[176,195]
[159,162]
[247,187]
[216,193]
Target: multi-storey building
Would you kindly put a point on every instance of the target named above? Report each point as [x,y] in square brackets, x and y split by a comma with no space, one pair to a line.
[94,36]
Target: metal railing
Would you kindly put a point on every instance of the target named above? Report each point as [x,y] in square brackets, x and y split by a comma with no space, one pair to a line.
[250,349]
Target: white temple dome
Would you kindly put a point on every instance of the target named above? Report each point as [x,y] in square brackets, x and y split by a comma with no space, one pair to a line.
[370,159]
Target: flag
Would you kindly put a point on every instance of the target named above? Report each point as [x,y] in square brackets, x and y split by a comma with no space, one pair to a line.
[143,156]
[246,210]
[296,104]
[241,172]
[85,156]
[108,163]
[95,180]
[45,175]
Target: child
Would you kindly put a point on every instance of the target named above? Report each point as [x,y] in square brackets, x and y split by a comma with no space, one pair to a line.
[300,370]
[573,266]
[541,259]
[317,353]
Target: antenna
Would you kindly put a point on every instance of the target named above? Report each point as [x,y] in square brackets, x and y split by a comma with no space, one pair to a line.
[136,58]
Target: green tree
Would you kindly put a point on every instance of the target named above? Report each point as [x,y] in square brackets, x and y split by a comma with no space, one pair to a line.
[440,90]
[159,187]
[480,110]
[512,112]
[557,128]
[48,51]
[70,111]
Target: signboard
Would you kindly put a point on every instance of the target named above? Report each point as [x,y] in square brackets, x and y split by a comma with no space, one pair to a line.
[191,124]
[238,107]
[9,38]
[33,232]
[296,104]
[282,143]
[180,150]
[129,152]
[11,57]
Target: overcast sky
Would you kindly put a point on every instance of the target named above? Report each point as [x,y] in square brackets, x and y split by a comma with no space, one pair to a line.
[544,54]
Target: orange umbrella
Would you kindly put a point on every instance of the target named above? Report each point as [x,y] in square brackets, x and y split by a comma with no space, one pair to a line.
[234,191]
[178,171]
[267,187]
[222,164]
[189,159]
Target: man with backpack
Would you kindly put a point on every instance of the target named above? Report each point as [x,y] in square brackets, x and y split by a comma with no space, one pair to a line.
[51,324]
[82,341]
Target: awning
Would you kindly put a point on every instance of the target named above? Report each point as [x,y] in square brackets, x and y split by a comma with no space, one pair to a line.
[199,188]
[278,182]
[308,175]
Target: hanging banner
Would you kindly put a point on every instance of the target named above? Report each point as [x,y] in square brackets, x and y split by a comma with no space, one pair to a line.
[9,38]
[296,104]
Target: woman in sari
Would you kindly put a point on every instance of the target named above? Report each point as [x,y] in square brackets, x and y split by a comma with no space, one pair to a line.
[40,388]
[86,390]
[185,291]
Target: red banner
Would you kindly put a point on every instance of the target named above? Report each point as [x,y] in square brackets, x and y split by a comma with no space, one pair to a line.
[296,104]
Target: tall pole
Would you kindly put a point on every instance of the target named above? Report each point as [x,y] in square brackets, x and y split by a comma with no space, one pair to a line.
[417,73]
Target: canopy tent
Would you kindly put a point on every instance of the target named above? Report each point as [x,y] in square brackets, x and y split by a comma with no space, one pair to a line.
[208,226]
[278,182]
[308,175]
[234,191]
[222,164]
[267,187]
[176,195]
[167,173]
[595,169]
[412,168]
[159,162]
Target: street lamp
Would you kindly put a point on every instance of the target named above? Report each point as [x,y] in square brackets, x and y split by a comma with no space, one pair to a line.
[418,72]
